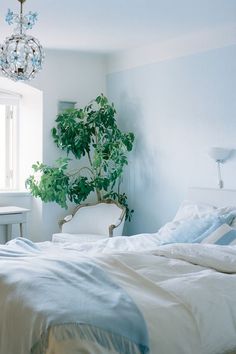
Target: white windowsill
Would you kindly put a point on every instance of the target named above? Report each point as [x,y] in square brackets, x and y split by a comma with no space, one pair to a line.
[14,194]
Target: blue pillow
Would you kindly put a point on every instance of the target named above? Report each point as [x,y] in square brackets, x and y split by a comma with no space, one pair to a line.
[195,230]
[223,235]
[228,238]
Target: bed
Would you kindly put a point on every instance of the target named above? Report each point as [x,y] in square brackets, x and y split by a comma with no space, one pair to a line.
[126,295]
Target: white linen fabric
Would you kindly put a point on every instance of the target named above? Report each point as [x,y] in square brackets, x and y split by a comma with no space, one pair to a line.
[186,293]
[191,210]
[77,238]
[146,242]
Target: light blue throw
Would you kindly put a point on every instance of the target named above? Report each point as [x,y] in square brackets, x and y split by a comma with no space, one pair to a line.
[71,290]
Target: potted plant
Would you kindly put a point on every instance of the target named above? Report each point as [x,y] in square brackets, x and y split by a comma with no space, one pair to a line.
[91,131]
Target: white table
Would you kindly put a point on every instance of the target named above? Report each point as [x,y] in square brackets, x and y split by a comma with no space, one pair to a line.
[10,215]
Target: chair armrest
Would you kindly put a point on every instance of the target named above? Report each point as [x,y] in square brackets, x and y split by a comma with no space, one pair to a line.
[114,226]
[66,219]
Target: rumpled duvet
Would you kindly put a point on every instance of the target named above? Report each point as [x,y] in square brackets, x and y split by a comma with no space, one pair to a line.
[46,291]
[185,292]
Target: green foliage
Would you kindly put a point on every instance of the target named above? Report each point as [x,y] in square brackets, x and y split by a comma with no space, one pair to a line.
[91,131]
[121,198]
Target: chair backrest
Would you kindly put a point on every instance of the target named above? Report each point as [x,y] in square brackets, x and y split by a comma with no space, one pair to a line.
[94,219]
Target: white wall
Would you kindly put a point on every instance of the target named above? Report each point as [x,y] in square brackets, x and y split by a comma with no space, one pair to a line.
[67,76]
[178,104]
[30,149]
[178,107]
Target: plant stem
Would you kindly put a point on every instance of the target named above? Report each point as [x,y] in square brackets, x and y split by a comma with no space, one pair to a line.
[99,195]
[118,189]
[89,158]
[78,172]
[98,192]
[86,168]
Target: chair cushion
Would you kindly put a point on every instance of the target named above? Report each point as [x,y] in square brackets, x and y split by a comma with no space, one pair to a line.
[76,238]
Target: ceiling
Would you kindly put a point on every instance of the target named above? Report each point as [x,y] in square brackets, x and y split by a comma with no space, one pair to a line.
[111,25]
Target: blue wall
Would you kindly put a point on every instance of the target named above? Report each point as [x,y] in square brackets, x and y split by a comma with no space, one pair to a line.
[177,109]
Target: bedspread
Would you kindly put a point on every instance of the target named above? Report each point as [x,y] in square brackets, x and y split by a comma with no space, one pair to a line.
[186,294]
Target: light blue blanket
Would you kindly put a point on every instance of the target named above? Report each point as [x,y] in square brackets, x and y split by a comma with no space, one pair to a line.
[53,291]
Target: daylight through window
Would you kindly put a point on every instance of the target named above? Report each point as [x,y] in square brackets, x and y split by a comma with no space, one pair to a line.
[9,105]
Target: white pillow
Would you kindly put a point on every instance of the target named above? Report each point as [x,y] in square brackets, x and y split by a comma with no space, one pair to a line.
[187,210]
[191,210]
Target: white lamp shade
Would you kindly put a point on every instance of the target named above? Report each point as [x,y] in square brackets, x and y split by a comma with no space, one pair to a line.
[219,154]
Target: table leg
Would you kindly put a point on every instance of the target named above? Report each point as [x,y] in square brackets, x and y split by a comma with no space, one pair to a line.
[9,232]
[21,230]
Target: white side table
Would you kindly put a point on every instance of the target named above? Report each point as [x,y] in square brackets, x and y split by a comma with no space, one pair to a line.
[10,215]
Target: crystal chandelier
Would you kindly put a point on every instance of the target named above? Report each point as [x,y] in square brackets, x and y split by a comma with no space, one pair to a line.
[21,55]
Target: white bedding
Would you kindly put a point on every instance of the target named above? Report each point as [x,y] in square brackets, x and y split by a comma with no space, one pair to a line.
[186,293]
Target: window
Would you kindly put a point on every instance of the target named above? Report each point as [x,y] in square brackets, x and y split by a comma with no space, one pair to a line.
[9,106]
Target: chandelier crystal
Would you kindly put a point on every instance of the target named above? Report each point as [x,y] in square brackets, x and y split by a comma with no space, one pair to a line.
[21,55]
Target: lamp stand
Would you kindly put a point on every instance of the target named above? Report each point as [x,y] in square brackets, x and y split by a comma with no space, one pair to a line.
[220,181]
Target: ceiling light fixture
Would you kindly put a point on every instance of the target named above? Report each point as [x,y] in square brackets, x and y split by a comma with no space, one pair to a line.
[21,55]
